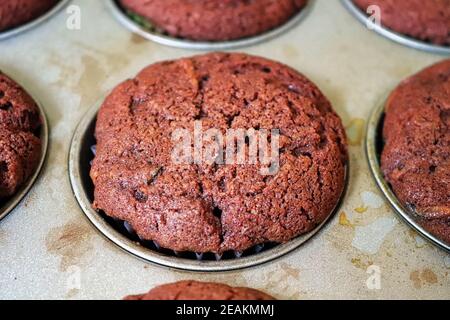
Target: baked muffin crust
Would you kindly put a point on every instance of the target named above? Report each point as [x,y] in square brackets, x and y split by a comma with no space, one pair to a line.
[209,207]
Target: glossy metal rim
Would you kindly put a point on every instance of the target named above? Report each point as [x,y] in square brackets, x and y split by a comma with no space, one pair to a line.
[155,257]
[198,45]
[13,202]
[372,138]
[34,23]
[392,35]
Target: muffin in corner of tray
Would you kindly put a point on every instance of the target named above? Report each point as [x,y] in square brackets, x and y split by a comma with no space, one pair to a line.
[14,13]
[213,20]
[428,21]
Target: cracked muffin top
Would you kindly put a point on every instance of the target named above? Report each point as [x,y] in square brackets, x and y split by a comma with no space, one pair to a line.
[203,207]
[194,290]
[416,156]
[20,147]
[428,20]
[215,20]
[14,13]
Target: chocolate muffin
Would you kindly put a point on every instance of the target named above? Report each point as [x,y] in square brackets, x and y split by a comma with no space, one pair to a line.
[14,13]
[20,147]
[215,20]
[416,155]
[193,290]
[204,207]
[428,20]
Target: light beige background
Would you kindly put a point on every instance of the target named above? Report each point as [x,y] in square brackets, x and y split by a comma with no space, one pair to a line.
[68,71]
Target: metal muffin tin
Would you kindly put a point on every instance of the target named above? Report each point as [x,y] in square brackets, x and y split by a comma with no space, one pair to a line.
[9,204]
[392,35]
[80,156]
[374,148]
[34,23]
[163,39]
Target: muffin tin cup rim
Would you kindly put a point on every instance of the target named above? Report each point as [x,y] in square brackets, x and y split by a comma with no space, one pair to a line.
[372,138]
[170,41]
[35,22]
[155,257]
[392,35]
[16,199]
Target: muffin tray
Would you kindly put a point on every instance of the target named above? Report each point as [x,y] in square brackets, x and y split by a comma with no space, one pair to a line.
[150,33]
[55,246]
[34,23]
[374,147]
[6,206]
[392,35]
[82,151]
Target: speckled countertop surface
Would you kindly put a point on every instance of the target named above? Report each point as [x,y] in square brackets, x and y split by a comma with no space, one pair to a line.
[48,249]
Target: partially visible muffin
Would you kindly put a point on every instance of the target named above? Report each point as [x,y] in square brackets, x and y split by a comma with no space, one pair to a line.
[427,20]
[416,155]
[20,146]
[14,13]
[194,290]
[215,20]
[204,207]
